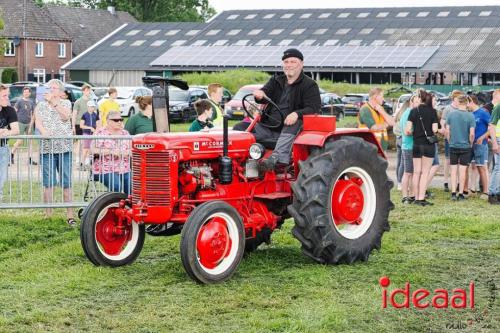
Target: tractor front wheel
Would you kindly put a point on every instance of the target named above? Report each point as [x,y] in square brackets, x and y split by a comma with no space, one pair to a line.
[212,242]
[341,201]
[105,239]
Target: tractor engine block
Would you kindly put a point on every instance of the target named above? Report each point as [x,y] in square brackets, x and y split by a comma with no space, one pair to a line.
[196,176]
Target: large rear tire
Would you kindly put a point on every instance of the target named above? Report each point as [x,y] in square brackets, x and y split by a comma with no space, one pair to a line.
[341,201]
[212,242]
[104,242]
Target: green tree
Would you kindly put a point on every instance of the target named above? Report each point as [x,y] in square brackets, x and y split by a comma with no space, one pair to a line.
[75,3]
[2,40]
[159,10]
[9,75]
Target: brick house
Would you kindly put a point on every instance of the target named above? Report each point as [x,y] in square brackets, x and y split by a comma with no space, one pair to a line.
[36,46]
[40,40]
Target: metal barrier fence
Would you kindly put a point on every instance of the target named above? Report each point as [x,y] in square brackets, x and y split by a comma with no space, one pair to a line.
[63,171]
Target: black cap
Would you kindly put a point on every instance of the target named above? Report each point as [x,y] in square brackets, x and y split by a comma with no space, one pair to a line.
[292,53]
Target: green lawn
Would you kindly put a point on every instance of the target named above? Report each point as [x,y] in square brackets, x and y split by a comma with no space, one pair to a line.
[47,284]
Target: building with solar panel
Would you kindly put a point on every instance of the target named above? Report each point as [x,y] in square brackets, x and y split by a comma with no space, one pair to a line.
[431,45]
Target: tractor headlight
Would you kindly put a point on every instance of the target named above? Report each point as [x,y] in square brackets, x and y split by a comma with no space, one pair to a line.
[256,151]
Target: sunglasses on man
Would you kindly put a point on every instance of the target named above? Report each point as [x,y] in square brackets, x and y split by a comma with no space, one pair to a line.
[117,120]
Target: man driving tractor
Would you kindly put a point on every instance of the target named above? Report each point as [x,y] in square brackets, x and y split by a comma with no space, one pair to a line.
[296,95]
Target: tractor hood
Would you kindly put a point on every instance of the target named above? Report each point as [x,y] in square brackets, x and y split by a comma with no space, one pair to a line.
[195,145]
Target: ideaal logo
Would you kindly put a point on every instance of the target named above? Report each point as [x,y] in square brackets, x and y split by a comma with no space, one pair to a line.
[422,298]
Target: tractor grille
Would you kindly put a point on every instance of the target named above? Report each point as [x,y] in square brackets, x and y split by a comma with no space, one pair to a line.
[151,178]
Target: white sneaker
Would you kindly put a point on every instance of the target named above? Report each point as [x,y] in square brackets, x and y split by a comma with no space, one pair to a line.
[399,186]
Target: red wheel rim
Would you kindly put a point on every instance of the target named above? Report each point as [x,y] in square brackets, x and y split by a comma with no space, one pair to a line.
[347,201]
[353,202]
[111,237]
[213,242]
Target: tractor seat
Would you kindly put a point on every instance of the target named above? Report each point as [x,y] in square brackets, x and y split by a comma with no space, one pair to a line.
[268,143]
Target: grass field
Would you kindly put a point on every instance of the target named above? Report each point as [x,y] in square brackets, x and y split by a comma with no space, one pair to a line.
[47,284]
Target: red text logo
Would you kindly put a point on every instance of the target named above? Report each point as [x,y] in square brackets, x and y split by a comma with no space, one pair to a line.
[422,298]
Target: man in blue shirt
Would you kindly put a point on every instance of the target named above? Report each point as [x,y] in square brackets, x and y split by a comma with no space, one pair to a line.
[480,147]
[460,132]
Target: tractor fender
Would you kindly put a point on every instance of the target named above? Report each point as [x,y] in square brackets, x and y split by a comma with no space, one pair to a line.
[318,138]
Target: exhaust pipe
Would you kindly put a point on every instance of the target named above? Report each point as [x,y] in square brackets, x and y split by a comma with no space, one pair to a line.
[225,162]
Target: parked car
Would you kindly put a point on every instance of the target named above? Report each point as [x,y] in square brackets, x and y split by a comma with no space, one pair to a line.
[234,107]
[438,94]
[331,104]
[100,92]
[79,83]
[73,92]
[126,99]
[181,103]
[322,92]
[442,100]
[401,100]
[226,94]
[388,107]
[25,82]
[353,102]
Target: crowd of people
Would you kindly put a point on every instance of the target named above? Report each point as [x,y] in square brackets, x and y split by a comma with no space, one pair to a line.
[471,132]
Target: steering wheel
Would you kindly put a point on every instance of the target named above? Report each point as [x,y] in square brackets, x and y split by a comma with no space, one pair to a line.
[275,121]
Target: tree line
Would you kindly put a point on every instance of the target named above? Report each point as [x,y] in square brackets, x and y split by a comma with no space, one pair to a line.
[149,10]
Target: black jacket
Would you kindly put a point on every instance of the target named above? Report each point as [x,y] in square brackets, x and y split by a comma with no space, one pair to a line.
[304,96]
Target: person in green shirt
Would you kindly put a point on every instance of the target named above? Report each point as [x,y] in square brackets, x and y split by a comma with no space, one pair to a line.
[79,109]
[373,116]
[203,122]
[141,122]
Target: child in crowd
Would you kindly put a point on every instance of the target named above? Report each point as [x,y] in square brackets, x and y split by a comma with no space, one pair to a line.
[88,124]
[203,121]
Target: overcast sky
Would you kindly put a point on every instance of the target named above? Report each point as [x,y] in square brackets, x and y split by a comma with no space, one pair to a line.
[221,5]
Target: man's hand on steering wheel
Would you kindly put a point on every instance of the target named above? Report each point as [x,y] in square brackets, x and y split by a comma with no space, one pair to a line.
[259,94]
[273,119]
[291,119]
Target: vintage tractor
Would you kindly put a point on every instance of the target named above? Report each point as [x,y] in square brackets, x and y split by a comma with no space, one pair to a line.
[206,186]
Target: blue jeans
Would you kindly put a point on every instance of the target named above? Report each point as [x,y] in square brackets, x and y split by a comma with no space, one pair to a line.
[4,166]
[56,169]
[399,159]
[495,175]
[115,182]
[480,154]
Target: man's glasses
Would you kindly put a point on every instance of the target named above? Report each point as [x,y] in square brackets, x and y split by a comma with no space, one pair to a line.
[117,120]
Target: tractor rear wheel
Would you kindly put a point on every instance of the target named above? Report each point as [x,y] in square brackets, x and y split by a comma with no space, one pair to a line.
[212,242]
[341,201]
[105,240]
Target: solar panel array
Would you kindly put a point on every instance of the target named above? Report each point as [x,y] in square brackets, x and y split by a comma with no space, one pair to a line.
[467,38]
[315,56]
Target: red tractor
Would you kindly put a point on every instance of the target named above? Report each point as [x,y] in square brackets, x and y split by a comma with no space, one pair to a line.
[206,186]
